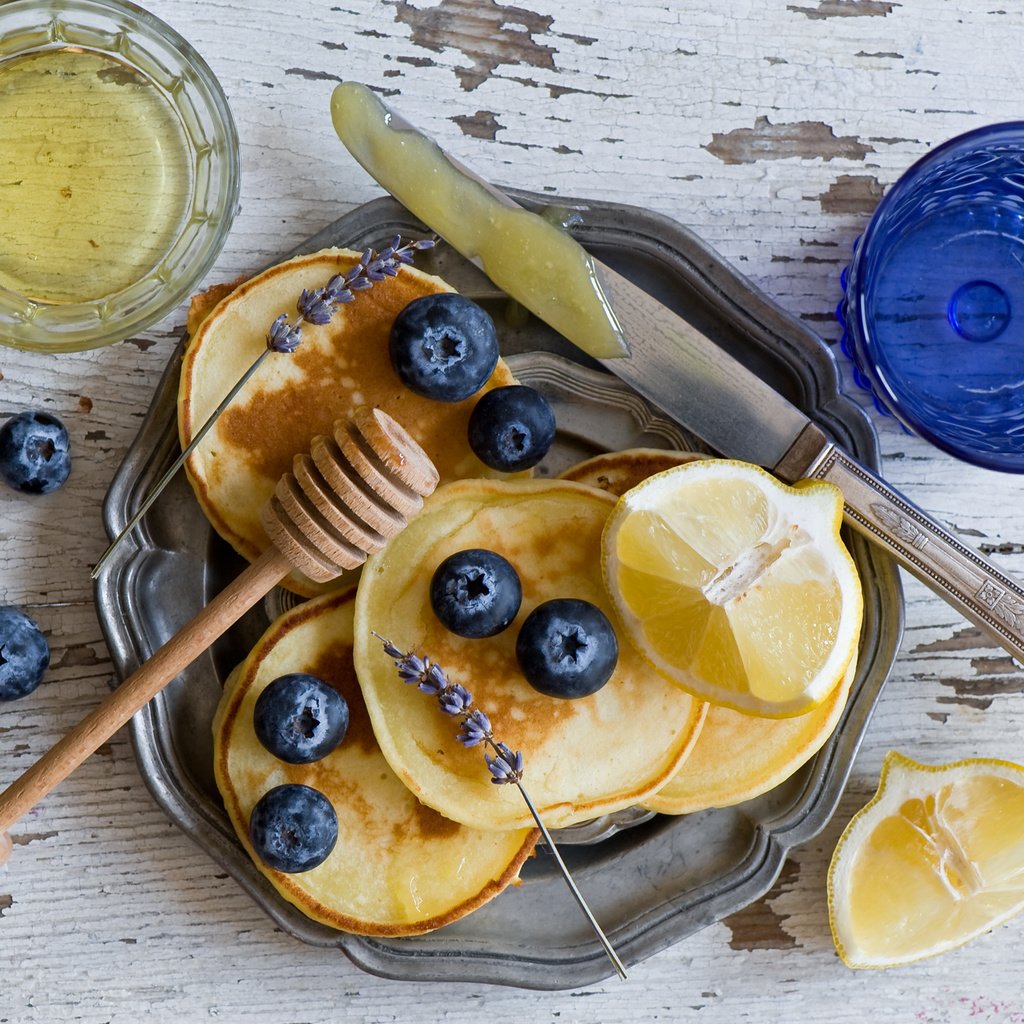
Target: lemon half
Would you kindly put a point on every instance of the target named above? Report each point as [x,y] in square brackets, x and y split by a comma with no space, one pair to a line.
[736,586]
[935,859]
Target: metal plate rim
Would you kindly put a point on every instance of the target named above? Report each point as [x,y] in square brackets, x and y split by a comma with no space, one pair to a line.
[814,369]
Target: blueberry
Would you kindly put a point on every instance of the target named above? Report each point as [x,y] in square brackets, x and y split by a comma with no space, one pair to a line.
[567,648]
[475,593]
[24,654]
[444,346]
[511,428]
[300,718]
[34,455]
[293,828]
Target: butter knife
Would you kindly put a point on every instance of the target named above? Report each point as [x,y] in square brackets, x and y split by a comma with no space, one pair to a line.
[663,357]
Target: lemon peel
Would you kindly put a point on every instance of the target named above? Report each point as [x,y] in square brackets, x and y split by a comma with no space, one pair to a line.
[738,757]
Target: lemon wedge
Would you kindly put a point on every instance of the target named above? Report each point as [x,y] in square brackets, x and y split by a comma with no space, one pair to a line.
[936,858]
[736,586]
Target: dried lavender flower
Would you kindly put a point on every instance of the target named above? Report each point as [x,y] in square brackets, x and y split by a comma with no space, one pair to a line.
[315,307]
[319,305]
[508,754]
[427,676]
[455,700]
[282,336]
[389,648]
[506,767]
[475,729]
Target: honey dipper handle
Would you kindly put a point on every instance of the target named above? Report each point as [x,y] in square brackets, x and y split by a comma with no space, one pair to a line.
[177,654]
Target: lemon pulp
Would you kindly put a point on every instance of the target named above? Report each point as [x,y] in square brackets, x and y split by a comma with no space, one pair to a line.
[936,858]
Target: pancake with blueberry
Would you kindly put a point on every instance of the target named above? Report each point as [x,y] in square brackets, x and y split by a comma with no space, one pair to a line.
[382,862]
[338,366]
[583,755]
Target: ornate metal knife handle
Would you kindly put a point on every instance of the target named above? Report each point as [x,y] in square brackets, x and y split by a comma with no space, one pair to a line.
[967,580]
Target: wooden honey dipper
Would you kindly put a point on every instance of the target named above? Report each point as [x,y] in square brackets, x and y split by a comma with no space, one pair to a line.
[338,505]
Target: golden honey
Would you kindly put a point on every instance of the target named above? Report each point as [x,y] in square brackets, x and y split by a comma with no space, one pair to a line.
[95,175]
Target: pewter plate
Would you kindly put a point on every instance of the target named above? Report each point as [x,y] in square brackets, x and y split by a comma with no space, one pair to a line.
[651,880]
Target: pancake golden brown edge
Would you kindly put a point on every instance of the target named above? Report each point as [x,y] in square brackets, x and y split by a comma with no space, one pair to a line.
[399,868]
[293,398]
[583,757]
[617,472]
[736,757]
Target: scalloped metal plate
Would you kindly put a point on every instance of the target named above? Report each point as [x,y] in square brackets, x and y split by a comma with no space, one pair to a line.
[650,884]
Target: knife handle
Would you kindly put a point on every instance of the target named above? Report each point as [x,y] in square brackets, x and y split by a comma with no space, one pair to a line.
[967,580]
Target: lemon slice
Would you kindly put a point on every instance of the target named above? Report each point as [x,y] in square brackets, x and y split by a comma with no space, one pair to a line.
[735,586]
[936,858]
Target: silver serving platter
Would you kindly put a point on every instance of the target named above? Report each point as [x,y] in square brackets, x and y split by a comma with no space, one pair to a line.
[651,880]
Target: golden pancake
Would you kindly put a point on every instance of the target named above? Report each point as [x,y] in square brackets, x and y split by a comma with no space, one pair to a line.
[293,398]
[583,757]
[737,756]
[398,868]
[617,472]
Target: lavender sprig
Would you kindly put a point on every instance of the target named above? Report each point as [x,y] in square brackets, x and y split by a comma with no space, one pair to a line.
[319,305]
[284,336]
[506,766]
[454,699]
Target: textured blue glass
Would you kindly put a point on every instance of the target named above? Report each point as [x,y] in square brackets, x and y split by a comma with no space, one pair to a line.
[935,298]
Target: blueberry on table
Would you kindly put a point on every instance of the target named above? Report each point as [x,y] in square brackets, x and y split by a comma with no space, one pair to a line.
[475,593]
[511,428]
[300,718]
[24,654]
[567,648]
[293,828]
[34,452]
[444,347]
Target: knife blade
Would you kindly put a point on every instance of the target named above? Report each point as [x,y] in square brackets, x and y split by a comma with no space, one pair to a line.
[662,356]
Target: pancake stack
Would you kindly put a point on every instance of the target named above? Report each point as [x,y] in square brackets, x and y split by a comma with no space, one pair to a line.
[584,757]
[424,836]
[399,868]
[736,757]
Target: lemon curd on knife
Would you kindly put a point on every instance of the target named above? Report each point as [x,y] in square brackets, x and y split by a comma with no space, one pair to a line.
[534,261]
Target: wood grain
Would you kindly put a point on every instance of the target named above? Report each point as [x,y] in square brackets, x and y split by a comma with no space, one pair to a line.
[107,912]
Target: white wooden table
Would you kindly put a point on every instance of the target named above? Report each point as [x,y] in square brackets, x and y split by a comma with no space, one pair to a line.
[769,127]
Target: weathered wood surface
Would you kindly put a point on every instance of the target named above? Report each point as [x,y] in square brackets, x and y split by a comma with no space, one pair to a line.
[771,129]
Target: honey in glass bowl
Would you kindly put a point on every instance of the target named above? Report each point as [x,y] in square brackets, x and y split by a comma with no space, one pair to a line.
[118,172]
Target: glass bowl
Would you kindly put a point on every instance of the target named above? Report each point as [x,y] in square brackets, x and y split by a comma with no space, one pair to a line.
[121,187]
[934,307]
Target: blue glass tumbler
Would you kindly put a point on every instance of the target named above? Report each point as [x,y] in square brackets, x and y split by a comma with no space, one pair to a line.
[935,298]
